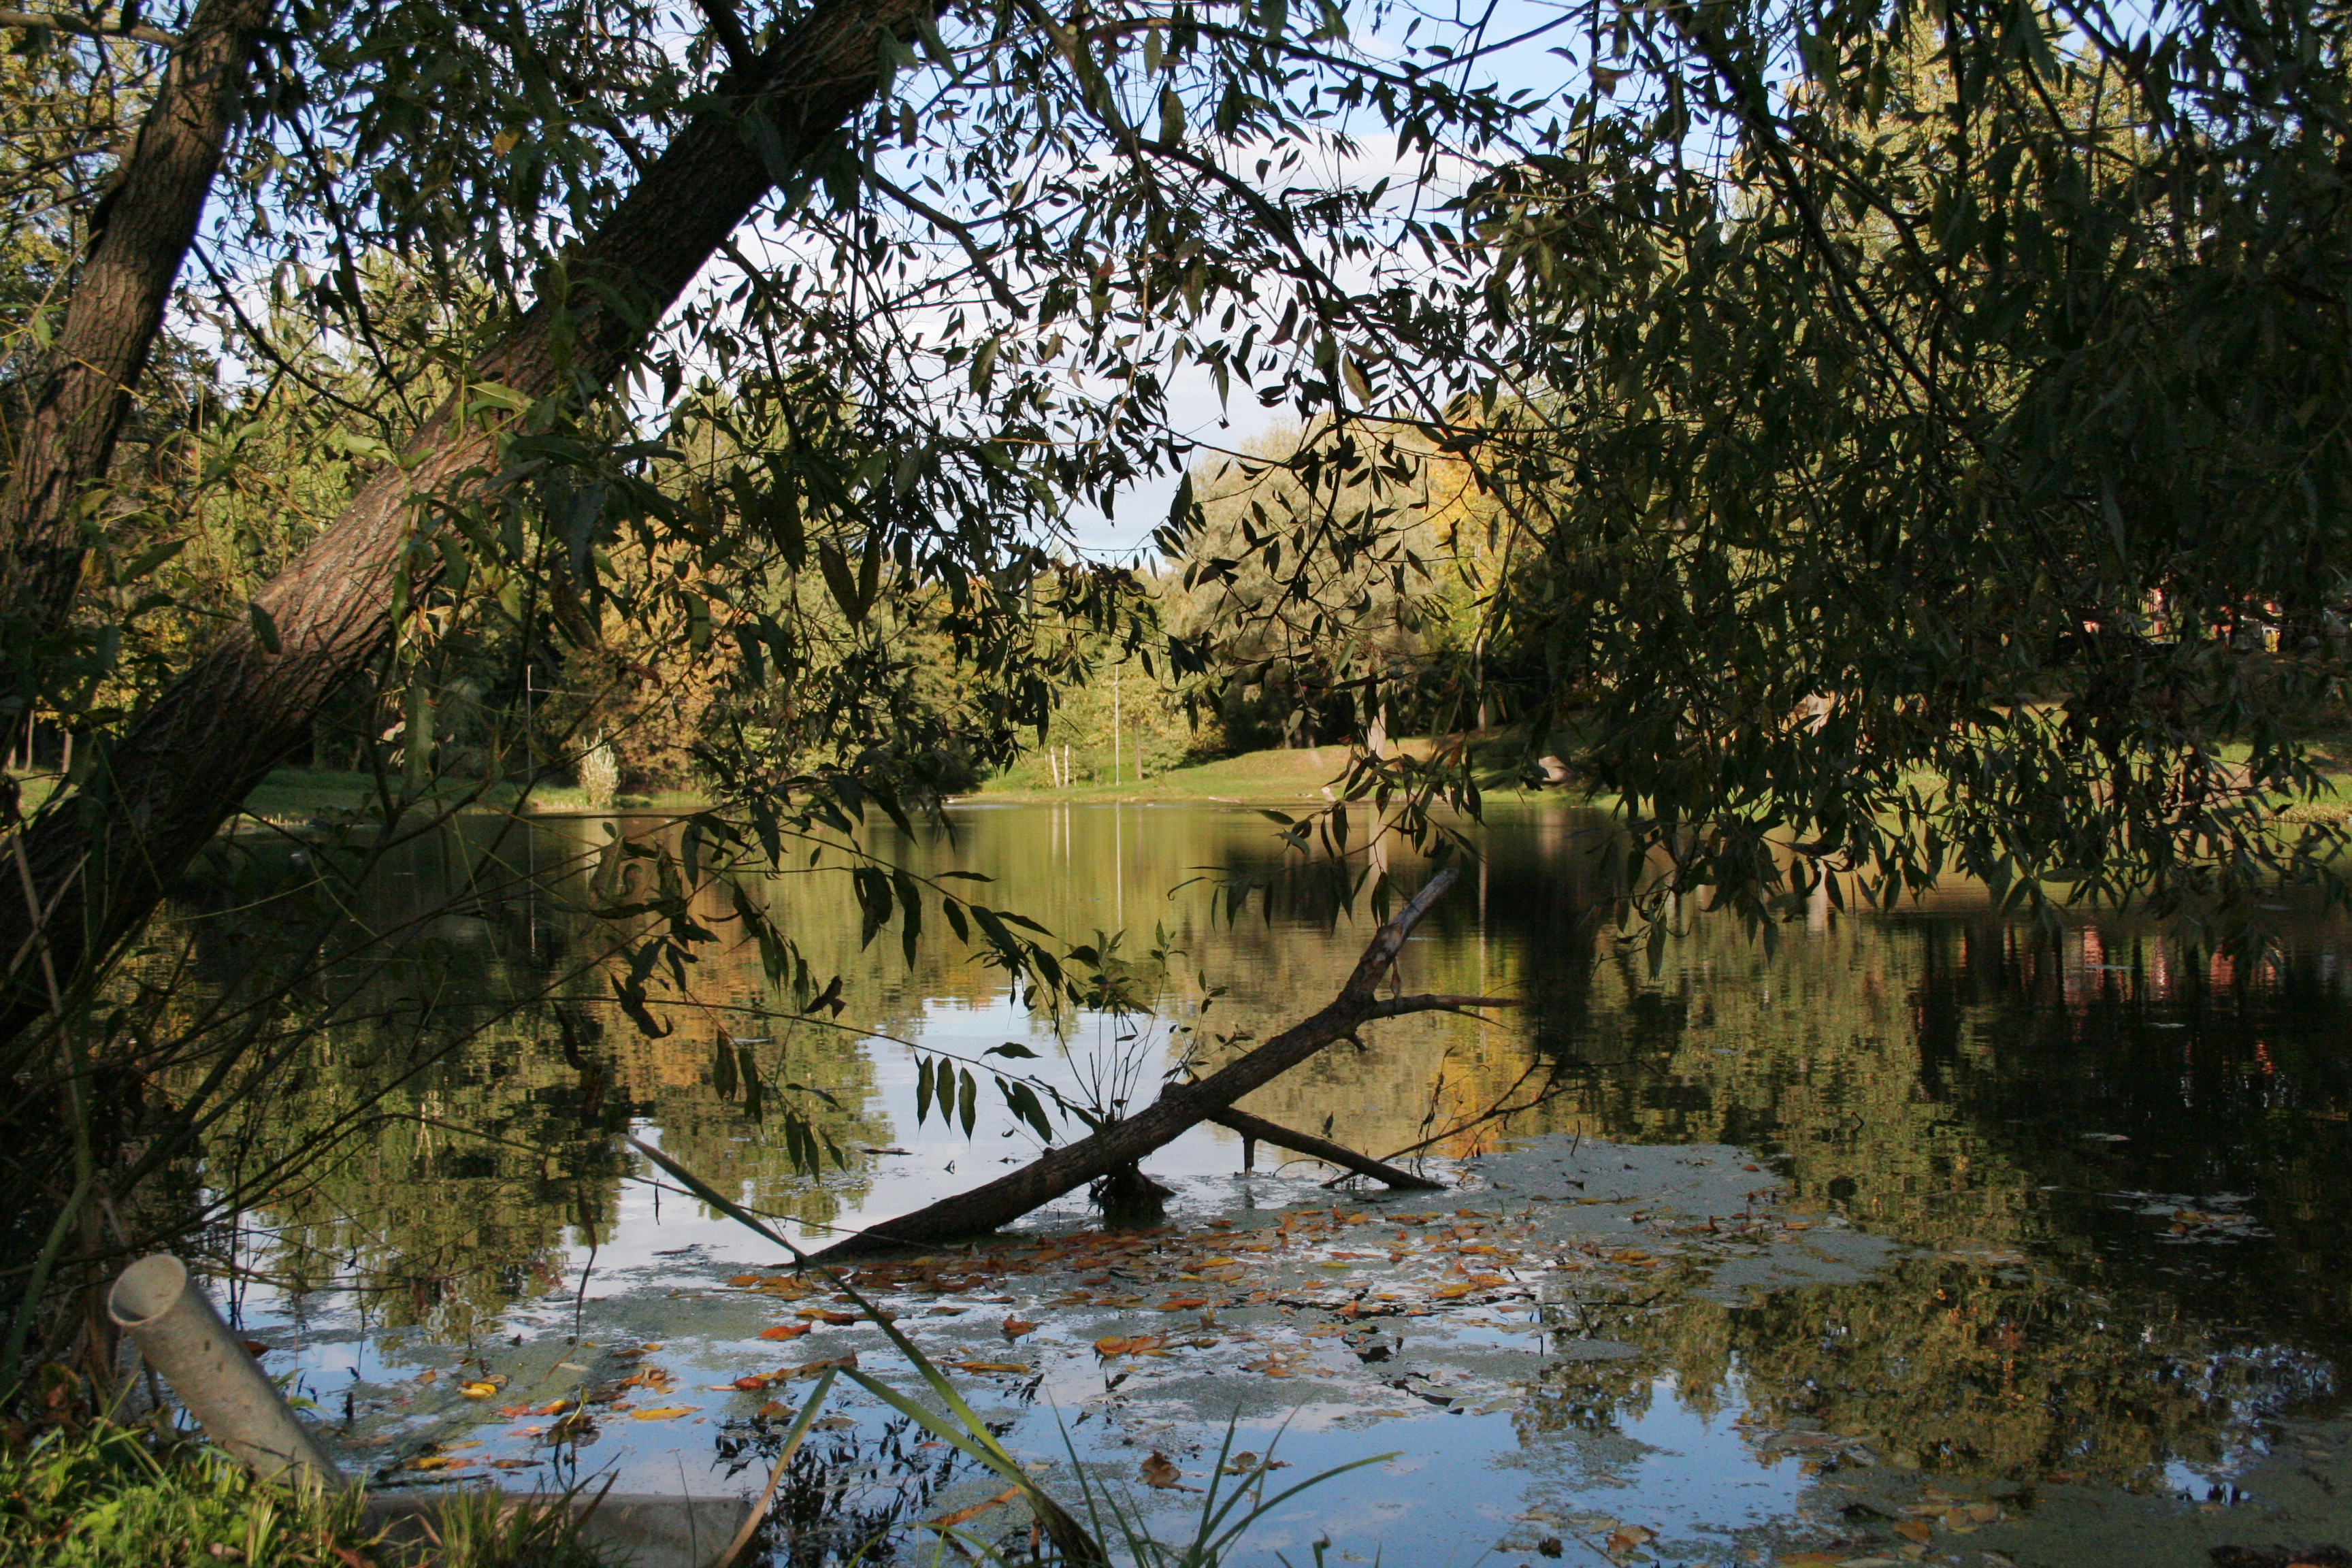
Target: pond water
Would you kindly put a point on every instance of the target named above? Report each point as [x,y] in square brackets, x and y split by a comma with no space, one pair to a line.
[1920,1236]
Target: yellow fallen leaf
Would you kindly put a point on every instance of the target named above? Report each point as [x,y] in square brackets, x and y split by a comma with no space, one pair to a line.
[1914,1530]
[662,1413]
[1626,1537]
[774,1410]
[437,1462]
[744,1281]
[477,1390]
[987,1366]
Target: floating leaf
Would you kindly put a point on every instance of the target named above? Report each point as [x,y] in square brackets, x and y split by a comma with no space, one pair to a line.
[987,1366]
[786,1330]
[774,1410]
[1159,1471]
[826,1315]
[813,1368]
[662,1413]
[1914,1530]
[1015,1326]
[1182,1303]
[477,1390]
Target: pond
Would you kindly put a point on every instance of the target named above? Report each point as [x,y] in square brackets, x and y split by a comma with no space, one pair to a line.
[1920,1236]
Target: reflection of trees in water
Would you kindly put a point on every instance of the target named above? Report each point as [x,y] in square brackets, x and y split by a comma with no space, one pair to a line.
[479,1122]
[1939,1365]
[1931,1075]
[852,1497]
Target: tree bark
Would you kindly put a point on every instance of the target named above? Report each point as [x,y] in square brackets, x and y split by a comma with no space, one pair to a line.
[1259,1130]
[103,861]
[143,231]
[1179,1108]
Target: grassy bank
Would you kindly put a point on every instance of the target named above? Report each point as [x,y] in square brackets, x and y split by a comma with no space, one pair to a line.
[1279,777]
[107,1496]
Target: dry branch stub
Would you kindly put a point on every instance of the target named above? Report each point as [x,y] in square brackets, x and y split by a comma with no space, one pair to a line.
[1257,1129]
[1180,1108]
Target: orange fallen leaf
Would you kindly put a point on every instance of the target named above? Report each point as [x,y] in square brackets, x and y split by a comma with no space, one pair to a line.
[256,1348]
[774,1410]
[1627,1537]
[1014,1328]
[1159,1471]
[514,1464]
[786,1330]
[1182,1303]
[1914,1530]
[514,1412]
[1136,1344]
[662,1413]
[751,1384]
[987,1366]
[825,1315]
[965,1515]
[744,1281]
[831,1364]
[553,1407]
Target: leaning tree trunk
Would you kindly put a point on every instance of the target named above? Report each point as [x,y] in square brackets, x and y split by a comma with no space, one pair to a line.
[82,393]
[99,865]
[1180,1107]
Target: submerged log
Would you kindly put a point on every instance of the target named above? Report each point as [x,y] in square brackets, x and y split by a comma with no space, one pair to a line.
[1180,1108]
[1258,1129]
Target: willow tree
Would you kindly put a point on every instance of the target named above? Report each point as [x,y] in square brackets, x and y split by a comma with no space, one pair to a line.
[1917,442]
[916,228]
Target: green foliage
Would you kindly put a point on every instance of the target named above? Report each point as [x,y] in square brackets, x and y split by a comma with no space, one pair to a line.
[105,1496]
[1913,439]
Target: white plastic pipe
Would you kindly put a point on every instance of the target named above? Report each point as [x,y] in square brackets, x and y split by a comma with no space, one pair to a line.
[182,1336]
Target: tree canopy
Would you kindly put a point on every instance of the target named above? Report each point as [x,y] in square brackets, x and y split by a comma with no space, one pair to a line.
[1885,438]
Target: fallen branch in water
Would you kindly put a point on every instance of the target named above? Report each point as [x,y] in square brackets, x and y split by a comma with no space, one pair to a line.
[1258,1129]
[1497,1111]
[1180,1108]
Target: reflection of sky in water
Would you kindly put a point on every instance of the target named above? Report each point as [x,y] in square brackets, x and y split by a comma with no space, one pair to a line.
[1460,1480]
[1935,1076]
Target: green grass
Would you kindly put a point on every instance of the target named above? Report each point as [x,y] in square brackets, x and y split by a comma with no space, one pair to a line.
[1281,776]
[107,1496]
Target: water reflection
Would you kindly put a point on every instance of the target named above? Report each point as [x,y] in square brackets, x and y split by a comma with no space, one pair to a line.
[2120,1176]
